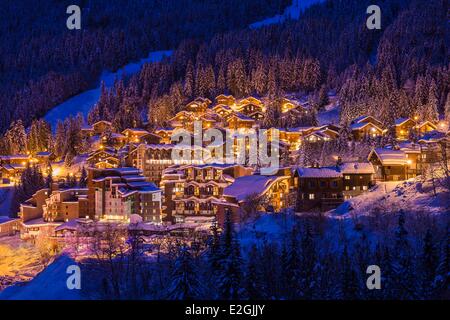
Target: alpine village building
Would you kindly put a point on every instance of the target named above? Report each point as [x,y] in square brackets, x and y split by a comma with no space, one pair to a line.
[132,172]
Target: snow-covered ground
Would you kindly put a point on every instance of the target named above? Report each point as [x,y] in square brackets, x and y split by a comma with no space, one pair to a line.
[50,284]
[6,196]
[84,101]
[331,112]
[411,195]
[291,12]
[20,261]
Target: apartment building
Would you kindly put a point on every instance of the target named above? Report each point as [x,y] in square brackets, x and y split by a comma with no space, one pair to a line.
[116,194]
[192,190]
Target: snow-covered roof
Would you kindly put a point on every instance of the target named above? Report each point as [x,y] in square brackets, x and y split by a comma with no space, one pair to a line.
[87,127]
[242,117]
[136,130]
[69,225]
[324,172]
[360,125]
[124,170]
[130,178]
[14,157]
[433,136]
[242,187]
[301,129]
[357,168]
[422,124]
[11,167]
[390,157]
[140,187]
[39,222]
[363,119]
[401,121]
[43,154]
[166,129]
[7,219]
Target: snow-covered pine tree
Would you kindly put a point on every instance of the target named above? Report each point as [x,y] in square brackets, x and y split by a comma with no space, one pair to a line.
[428,264]
[229,280]
[189,80]
[292,268]
[184,283]
[442,279]
[308,261]
[402,269]
[348,277]
[253,282]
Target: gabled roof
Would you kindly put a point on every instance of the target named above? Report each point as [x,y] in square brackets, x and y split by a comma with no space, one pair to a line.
[363,119]
[357,168]
[12,167]
[222,106]
[319,134]
[136,130]
[361,125]
[101,121]
[242,117]
[433,136]
[250,100]
[222,96]
[401,121]
[168,129]
[324,172]
[389,156]
[87,127]
[424,123]
[243,187]
[43,154]
[15,157]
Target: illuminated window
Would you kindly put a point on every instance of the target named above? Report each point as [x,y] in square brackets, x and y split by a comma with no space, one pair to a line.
[311,196]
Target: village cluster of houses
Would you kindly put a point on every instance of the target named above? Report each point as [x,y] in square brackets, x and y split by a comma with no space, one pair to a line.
[133,173]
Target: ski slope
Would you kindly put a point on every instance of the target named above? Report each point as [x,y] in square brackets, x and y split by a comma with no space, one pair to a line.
[291,12]
[84,101]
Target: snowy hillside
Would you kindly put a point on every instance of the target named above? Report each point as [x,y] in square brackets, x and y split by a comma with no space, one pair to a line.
[84,101]
[291,12]
[50,284]
[411,195]
[6,197]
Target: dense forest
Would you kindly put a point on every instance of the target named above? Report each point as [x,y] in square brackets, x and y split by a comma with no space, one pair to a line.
[397,71]
[394,72]
[313,258]
[42,63]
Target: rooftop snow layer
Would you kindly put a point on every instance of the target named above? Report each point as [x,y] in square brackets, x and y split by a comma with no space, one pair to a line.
[391,157]
[325,172]
[243,187]
[357,168]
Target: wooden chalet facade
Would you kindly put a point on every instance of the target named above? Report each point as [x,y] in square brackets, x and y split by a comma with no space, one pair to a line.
[366,126]
[193,190]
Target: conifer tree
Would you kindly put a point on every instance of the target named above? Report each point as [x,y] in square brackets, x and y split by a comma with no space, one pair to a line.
[185,284]
[229,285]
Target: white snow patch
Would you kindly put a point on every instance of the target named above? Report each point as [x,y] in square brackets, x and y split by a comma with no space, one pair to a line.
[84,101]
[410,195]
[50,284]
[6,197]
[292,12]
